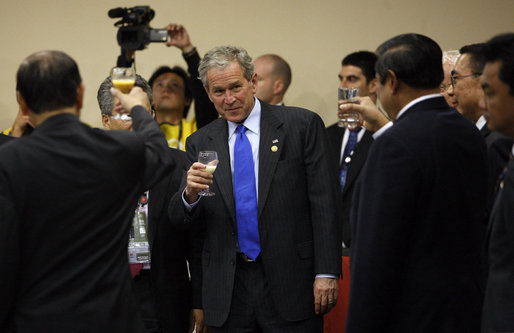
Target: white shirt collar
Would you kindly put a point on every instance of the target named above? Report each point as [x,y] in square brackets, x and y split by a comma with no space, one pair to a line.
[415,101]
[480,122]
[252,122]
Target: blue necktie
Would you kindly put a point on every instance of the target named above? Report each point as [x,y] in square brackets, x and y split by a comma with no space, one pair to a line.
[347,155]
[245,196]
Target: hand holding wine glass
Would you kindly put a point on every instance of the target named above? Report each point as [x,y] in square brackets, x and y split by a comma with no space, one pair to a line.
[210,160]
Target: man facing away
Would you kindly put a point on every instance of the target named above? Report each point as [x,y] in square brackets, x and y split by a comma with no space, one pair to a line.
[271,250]
[357,71]
[417,220]
[67,196]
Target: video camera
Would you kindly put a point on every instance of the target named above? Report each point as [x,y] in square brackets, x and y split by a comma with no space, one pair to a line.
[135,32]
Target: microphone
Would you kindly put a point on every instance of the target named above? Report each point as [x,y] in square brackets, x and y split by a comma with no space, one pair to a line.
[117,12]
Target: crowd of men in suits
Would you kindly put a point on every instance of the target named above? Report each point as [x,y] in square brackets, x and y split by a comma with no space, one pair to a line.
[400,225]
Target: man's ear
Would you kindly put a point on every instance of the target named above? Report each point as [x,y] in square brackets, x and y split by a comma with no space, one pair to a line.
[278,87]
[372,87]
[393,81]
[253,82]
[22,103]
[106,121]
[80,96]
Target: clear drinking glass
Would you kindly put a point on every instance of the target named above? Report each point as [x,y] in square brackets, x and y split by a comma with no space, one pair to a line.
[123,78]
[210,159]
[350,119]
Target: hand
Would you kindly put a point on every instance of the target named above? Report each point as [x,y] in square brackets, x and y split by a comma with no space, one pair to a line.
[197,180]
[197,322]
[325,294]
[20,125]
[373,118]
[178,37]
[127,101]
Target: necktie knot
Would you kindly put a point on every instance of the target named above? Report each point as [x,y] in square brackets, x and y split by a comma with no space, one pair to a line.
[241,129]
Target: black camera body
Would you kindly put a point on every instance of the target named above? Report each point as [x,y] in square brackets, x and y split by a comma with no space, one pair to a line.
[134,31]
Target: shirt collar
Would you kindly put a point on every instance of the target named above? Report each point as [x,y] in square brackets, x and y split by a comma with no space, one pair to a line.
[415,101]
[480,122]
[252,122]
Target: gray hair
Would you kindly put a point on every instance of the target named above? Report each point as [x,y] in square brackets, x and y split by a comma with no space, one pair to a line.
[450,57]
[105,99]
[220,57]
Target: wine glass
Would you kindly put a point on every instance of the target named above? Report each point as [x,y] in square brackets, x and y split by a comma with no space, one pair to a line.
[350,119]
[210,159]
[123,78]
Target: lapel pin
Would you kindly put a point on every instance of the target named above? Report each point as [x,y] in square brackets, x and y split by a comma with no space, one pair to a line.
[274,149]
[275,141]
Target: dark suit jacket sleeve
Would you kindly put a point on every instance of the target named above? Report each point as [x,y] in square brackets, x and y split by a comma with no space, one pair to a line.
[9,255]
[157,160]
[324,196]
[205,112]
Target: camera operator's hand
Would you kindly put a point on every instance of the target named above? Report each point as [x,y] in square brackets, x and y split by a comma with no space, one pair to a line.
[127,101]
[179,37]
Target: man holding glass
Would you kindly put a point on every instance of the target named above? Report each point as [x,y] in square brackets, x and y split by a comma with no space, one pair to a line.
[271,250]
[419,206]
[358,71]
[66,198]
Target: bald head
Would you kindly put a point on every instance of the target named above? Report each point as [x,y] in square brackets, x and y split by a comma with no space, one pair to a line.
[48,81]
[274,77]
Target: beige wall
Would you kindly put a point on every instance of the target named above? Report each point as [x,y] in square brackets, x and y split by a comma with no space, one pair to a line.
[312,36]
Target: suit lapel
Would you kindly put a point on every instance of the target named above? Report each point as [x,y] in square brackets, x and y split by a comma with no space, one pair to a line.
[218,137]
[272,140]
[358,160]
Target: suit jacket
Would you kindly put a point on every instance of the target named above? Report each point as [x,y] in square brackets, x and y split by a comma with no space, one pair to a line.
[68,195]
[335,137]
[170,248]
[5,139]
[418,226]
[297,196]
[498,312]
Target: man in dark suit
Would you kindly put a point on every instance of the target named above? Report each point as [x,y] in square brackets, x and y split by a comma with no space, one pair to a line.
[67,195]
[417,220]
[261,258]
[497,81]
[358,71]
[161,280]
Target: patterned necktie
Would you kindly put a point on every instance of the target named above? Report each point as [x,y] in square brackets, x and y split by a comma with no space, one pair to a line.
[347,155]
[245,196]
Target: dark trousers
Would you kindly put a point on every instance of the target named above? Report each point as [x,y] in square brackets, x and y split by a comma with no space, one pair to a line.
[252,308]
[146,302]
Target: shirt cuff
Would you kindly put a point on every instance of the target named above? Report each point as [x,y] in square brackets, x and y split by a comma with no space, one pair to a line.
[187,206]
[382,130]
[330,276]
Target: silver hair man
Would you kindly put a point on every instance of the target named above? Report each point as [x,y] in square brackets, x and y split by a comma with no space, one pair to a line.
[105,99]
[220,57]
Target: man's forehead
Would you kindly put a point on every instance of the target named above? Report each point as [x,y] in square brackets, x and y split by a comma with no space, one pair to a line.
[169,76]
[348,70]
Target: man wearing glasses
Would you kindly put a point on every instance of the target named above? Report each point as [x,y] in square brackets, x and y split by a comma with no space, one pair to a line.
[465,85]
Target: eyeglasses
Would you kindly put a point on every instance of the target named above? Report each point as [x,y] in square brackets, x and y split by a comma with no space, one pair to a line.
[456,77]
